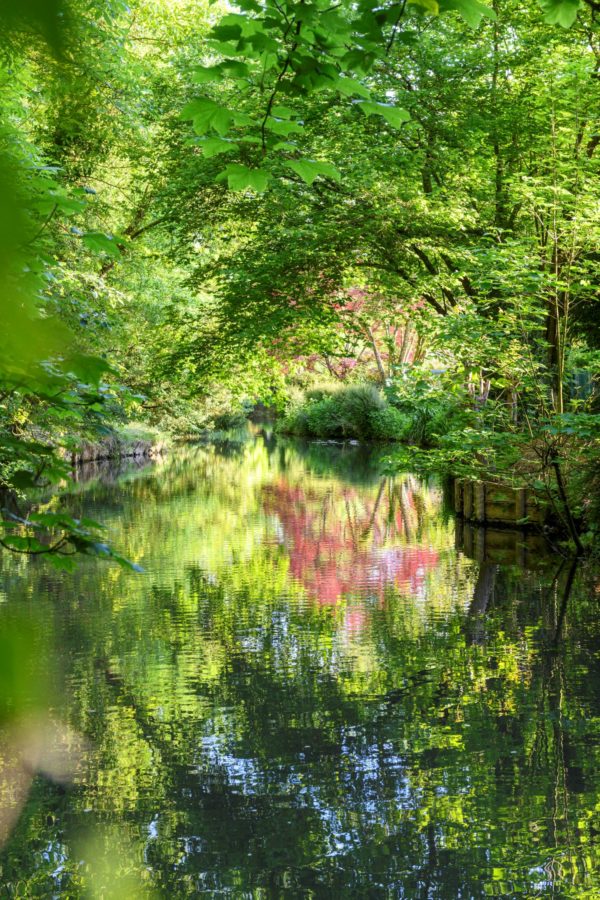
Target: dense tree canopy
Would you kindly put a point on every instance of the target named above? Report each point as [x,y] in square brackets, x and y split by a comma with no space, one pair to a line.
[204,206]
[375,221]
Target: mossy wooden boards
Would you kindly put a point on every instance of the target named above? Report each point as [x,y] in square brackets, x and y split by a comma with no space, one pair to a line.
[486,502]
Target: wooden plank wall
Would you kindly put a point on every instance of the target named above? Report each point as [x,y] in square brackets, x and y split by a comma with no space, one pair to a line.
[502,546]
[488,503]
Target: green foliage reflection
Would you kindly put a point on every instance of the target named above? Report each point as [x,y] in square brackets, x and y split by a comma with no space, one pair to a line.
[310,690]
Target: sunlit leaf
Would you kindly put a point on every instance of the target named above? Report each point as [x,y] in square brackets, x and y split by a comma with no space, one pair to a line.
[100,242]
[472,11]
[309,169]
[395,115]
[560,12]
[241,178]
[216,146]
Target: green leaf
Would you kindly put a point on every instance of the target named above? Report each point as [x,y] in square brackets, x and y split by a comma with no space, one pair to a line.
[430,6]
[207,114]
[349,87]
[279,126]
[101,243]
[88,369]
[240,118]
[226,33]
[283,112]
[45,18]
[247,25]
[234,68]
[28,544]
[313,81]
[357,61]
[22,479]
[241,178]
[309,169]
[267,61]
[91,523]
[472,11]
[51,520]
[213,146]
[231,68]
[208,74]
[62,563]
[395,115]
[560,12]
[335,24]
[219,121]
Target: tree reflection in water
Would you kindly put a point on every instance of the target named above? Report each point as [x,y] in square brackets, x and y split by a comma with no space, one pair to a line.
[342,540]
[311,692]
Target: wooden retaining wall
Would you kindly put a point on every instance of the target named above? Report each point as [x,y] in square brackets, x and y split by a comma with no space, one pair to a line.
[487,503]
[502,546]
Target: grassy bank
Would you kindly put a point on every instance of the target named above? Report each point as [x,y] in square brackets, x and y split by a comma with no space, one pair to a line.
[134,439]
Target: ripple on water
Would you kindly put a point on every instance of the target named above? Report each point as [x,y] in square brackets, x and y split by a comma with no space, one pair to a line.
[310,691]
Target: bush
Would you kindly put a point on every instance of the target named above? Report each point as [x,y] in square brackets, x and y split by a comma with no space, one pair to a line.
[389,424]
[186,423]
[358,411]
[134,432]
[418,412]
[230,420]
[318,418]
[320,392]
[433,406]
[322,419]
[354,407]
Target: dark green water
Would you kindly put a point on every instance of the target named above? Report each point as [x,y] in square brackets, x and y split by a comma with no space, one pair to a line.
[309,693]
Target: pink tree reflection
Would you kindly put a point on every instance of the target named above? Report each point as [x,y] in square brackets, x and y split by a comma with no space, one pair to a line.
[343,540]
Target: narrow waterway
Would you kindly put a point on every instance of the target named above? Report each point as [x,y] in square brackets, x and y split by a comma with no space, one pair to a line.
[317,688]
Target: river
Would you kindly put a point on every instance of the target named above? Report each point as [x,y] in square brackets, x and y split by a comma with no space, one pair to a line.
[318,687]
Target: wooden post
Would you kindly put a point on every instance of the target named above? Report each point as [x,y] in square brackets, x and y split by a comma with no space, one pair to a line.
[468,499]
[479,501]
[520,504]
[458,496]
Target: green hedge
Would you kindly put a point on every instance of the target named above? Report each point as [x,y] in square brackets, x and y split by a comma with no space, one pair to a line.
[358,412]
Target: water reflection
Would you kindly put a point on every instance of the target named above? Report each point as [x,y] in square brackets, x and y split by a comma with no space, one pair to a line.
[343,540]
[312,691]
[109,471]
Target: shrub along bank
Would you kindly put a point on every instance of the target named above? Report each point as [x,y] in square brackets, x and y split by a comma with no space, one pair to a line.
[419,416]
[358,412]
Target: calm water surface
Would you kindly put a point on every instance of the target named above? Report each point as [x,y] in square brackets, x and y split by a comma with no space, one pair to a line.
[312,691]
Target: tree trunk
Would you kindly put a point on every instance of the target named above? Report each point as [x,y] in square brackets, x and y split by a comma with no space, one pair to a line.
[378,359]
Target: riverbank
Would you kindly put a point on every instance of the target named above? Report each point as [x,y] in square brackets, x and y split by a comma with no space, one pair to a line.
[130,441]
